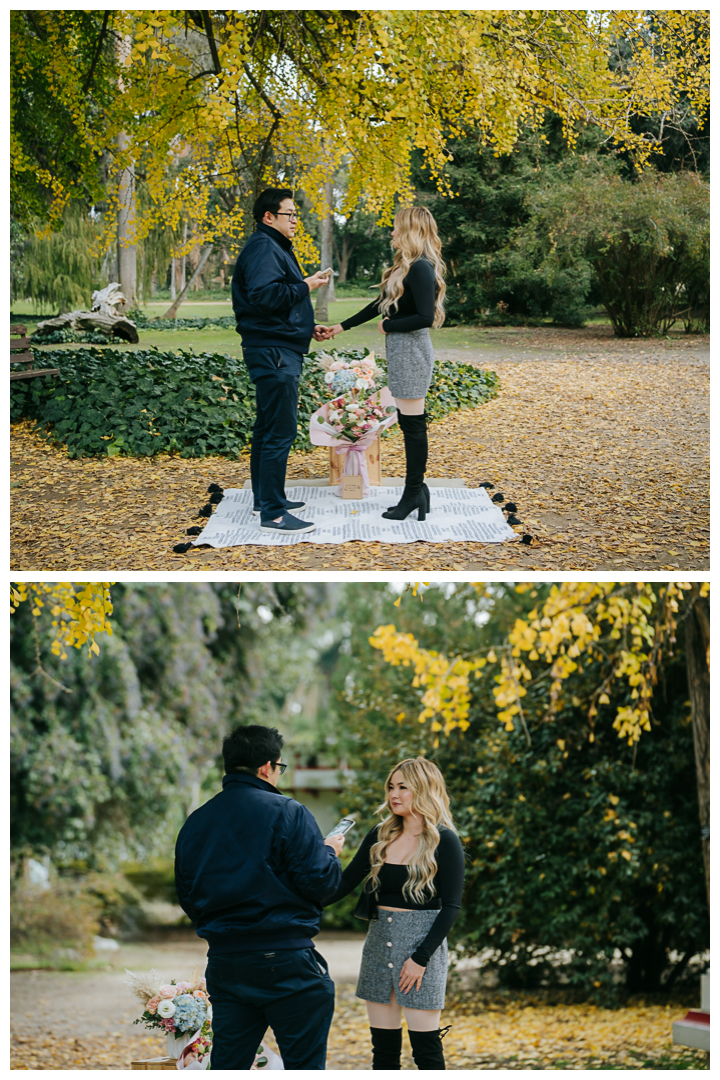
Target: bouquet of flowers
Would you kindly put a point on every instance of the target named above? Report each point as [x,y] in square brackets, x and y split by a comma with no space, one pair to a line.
[352,420]
[196,1054]
[181,1010]
[343,376]
[175,1007]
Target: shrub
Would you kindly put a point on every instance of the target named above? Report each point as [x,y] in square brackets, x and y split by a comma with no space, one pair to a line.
[648,244]
[109,402]
[55,924]
[222,322]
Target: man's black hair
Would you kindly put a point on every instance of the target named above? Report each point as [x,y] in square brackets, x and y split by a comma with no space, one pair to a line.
[270,199]
[249,746]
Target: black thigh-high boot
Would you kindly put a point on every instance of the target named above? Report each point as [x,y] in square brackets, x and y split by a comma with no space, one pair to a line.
[416,495]
[387,1047]
[427,1049]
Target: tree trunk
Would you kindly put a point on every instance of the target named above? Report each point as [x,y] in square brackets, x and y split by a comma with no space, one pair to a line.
[697,651]
[183,267]
[343,258]
[127,251]
[326,293]
[173,287]
[171,312]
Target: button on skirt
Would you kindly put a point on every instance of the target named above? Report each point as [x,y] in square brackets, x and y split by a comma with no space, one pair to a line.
[410,362]
[391,939]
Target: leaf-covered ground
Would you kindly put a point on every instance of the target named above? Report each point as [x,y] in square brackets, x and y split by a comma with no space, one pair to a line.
[601,443]
[492,1034]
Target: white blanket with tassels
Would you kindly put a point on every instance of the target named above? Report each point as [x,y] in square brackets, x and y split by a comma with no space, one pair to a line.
[461,514]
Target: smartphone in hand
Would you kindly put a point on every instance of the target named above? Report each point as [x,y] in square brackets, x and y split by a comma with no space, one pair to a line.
[342,827]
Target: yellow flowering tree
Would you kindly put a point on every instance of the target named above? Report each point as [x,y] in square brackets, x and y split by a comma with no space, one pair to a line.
[79,611]
[625,628]
[192,104]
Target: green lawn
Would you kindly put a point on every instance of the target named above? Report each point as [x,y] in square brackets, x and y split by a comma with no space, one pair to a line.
[227,341]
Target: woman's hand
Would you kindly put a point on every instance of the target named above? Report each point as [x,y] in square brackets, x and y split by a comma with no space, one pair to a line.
[411,975]
[326,333]
[380,326]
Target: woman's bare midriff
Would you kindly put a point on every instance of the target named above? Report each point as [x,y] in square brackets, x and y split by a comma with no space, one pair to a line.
[395,908]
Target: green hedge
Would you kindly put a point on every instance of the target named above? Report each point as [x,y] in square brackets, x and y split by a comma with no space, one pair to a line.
[144,402]
[218,322]
[97,337]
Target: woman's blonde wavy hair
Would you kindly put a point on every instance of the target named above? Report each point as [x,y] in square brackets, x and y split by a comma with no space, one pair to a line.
[417,237]
[431,801]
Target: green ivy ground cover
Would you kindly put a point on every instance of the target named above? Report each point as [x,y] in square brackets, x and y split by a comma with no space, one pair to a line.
[145,402]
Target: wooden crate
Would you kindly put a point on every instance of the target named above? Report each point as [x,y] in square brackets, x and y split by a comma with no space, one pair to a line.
[372,456]
[155,1063]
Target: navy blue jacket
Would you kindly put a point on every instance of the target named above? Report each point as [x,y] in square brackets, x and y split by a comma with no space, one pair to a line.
[271,300]
[251,869]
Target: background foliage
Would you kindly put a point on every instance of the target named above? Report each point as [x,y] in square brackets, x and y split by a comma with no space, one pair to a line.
[579,863]
[584,861]
[544,233]
[143,402]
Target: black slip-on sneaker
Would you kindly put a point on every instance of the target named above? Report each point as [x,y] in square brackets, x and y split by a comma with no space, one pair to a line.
[288,506]
[287,524]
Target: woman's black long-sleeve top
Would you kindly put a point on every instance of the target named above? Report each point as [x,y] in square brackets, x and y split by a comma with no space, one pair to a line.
[416,306]
[448,882]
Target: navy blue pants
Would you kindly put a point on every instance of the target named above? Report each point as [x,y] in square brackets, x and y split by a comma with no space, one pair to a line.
[289,990]
[276,374]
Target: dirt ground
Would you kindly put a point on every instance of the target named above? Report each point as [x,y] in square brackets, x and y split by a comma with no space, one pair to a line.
[601,443]
[83,1020]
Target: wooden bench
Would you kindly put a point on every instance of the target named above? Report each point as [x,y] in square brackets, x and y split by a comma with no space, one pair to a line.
[20,340]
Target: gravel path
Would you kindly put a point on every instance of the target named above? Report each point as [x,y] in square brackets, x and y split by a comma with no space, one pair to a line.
[601,443]
[99,1002]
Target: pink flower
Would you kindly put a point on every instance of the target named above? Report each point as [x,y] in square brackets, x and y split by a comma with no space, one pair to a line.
[200,995]
[169,1025]
[167,991]
[153,1004]
[181,987]
[202,985]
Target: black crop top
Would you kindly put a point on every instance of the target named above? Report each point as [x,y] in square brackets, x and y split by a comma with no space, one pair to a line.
[416,306]
[450,860]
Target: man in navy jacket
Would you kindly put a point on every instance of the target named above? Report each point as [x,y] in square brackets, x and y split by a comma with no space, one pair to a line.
[275,318]
[252,871]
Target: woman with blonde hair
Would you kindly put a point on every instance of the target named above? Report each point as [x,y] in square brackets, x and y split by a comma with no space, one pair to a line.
[412,293]
[413,865]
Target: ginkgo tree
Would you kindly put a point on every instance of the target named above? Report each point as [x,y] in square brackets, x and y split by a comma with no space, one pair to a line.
[616,631]
[79,611]
[202,108]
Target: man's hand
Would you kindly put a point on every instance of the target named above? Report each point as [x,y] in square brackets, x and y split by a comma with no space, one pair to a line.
[322,333]
[317,280]
[336,843]
[411,975]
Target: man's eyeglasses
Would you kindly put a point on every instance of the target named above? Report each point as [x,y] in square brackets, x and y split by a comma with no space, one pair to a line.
[286,213]
[279,765]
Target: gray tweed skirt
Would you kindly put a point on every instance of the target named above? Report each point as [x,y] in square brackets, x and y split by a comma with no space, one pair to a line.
[391,939]
[410,362]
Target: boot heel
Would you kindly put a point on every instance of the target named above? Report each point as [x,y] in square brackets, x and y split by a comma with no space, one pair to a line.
[421,513]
